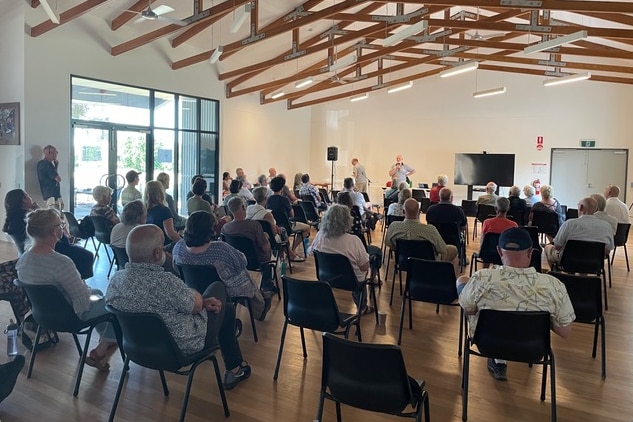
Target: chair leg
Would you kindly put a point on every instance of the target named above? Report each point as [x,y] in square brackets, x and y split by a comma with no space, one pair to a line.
[250,314]
[117,396]
[604,289]
[185,398]
[281,349]
[319,415]
[404,304]
[82,361]
[626,255]
[393,282]
[374,299]
[465,381]
[596,328]
[163,381]
[218,379]
[462,323]
[303,342]
[34,350]
[603,345]
[543,382]
[77,344]
[552,370]
[338,412]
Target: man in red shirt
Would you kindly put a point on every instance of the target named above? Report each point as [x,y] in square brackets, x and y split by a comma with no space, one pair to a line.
[499,223]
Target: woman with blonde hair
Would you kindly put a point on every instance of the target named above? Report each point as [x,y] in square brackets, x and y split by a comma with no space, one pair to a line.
[548,204]
[179,221]
[41,265]
[103,196]
[158,213]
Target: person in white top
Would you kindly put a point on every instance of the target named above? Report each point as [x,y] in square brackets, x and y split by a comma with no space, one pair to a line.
[615,207]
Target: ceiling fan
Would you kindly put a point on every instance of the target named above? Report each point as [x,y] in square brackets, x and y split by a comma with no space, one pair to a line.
[481,37]
[150,14]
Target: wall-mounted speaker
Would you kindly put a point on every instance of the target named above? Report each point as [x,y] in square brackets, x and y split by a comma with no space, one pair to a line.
[332,154]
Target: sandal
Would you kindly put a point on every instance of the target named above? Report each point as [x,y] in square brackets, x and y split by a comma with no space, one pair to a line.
[96,362]
[297,259]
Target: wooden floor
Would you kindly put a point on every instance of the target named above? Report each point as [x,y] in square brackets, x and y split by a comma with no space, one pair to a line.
[430,350]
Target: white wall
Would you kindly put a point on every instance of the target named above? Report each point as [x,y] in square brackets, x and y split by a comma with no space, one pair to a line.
[436,118]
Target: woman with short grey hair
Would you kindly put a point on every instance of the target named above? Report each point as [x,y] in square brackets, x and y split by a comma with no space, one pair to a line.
[103,196]
[333,237]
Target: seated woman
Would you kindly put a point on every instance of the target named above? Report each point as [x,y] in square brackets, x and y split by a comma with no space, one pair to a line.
[530,198]
[278,203]
[103,196]
[17,204]
[196,203]
[334,237]
[397,207]
[226,183]
[197,248]
[42,265]
[133,214]
[548,204]
[179,221]
[157,213]
[234,190]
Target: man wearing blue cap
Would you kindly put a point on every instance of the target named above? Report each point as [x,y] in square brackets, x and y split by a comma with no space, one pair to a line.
[515,286]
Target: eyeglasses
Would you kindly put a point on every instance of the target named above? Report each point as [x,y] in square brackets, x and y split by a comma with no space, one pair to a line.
[62,225]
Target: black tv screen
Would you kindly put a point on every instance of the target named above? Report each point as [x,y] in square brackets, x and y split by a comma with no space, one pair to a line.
[479,169]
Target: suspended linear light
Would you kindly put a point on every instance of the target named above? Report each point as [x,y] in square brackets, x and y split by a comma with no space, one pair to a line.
[240,17]
[277,94]
[555,42]
[489,92]
[466,67]
[405,33]
[359,97]
[216,54]
[49,11]
[567,79]
[400,87]
[345,61]
[304,83]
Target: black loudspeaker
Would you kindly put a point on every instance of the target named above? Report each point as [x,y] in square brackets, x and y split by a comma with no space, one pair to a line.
[332,153]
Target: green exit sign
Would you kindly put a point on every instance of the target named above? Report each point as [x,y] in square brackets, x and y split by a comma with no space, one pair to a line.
[587,143]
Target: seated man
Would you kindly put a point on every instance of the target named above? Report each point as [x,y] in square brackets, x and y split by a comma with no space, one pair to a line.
[434,193]
[500,222]
[130,193]
[445,211]
[615,207]
[516,202]
[195,321]
[586,227]
[515,286]
[308,189]
[413,229]
[241,176]
[251,229]
[490,197]
[600,213]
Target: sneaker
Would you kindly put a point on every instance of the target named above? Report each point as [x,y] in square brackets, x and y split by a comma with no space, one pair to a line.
[267,303]
[498,370]
[9,374]
[231,380]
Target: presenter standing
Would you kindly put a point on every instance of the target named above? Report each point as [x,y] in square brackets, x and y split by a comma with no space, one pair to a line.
[360,176]
[398,173]
[49,178]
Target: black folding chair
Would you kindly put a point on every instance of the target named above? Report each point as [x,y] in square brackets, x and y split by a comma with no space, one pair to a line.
[297,235]
[277,247]
[148,343]
[515,336]
[452,235]
[311,305]
[547,223]
[586,298]
[620,239]
[383,246]
[52,312]
[470,210]
[483,212]
[488,253]
[103,229]
[386,388]
[431,282]
[80,231]
[120,256]
[311,213]
[405,249]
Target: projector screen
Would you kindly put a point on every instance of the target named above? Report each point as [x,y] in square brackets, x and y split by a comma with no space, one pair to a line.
[479,169]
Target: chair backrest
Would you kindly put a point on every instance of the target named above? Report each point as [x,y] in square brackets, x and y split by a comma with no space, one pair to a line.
[336,270]
[425,203]
[406,248]
[521,336]
[518,216]
[75,229]
[50,308]
[571,213]
[622,234]
[546,221]
[418,195]
[282,221]
[308,198]
[324,196]
[431,281]
[103,228]
[391,218]
[364,375]
[581,256]
[247,247]
[268,229]
[450,232]
[485,211]
[299,213]
[585,293]
[198,277]
[147,341]
[533,231]
[120,254]
[309,210]
[335,195]
[310,304]
[469,207]
[366,196]
[488,249]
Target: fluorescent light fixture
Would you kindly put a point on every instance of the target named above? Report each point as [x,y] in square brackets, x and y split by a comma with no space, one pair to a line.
[555,42]
[345,61]
[277,94]
[49,11]
[305,82]
[359,97]
[566,79]
[466,67]
[216,54]
[240,17]
[405,33]
[489,92]
[400,87]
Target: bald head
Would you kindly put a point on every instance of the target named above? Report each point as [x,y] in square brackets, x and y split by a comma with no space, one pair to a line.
[587,206]
[411,209]
[491,187]
[145,244]
[600,200]
[612,191]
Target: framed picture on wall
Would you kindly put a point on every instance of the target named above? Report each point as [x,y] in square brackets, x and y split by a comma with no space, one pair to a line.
[10,124]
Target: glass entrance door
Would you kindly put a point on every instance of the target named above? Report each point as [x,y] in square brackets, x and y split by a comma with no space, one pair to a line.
[131,154]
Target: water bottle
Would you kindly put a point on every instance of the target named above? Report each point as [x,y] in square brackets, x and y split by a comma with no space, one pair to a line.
[306,242]
[283,268]
[12,338]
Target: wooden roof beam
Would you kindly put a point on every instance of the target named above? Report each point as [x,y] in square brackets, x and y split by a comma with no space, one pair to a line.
[563,5]
[129,14]
[65,17]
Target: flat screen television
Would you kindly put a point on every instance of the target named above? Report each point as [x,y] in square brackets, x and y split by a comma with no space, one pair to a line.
[479,169]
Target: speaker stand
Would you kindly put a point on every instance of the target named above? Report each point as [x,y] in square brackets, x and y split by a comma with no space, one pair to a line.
[332,178]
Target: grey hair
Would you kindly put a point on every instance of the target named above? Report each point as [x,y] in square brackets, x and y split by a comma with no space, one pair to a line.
[442,179]
[528,190]
[503,204]
[336,221]
[546,191]
[260,194]
[100,192]
[235,203]
[262,179]
[515,191]
[404,195]
[600,200]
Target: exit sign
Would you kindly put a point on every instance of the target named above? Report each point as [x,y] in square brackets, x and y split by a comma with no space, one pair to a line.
[587,143]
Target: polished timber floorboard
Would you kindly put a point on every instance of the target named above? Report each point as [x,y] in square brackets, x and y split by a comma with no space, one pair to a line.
[430,351]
